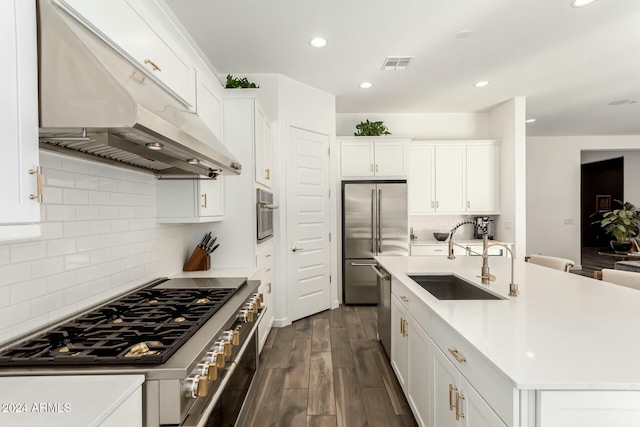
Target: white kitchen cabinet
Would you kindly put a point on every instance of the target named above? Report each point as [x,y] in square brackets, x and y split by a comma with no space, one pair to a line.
[482,178]
[124,25]
[363,157]
[264,262]
[456,402]
[454,177]
[263,144]
[20,177]
[410,355]
[190,201]
[209,102]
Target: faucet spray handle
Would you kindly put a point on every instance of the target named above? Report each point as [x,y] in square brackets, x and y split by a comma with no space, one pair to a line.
[450,242]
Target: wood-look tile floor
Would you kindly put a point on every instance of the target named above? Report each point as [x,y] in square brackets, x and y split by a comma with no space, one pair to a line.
[329,370]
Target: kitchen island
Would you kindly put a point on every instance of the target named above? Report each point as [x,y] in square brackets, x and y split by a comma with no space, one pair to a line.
[530,358]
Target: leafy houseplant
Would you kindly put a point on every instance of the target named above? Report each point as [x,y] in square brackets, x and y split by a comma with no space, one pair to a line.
[235,83]
[371,129]
[622,223]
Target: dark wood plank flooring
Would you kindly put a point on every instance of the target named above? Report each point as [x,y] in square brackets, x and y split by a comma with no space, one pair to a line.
[328,370]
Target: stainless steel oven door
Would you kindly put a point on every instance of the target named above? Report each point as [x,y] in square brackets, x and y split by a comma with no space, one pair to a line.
[233,400]
[265,208]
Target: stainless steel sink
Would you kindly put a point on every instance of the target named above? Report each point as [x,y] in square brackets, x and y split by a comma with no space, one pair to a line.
[450,287]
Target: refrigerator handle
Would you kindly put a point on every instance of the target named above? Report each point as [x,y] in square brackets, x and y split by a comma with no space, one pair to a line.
[373,233]
[379,221]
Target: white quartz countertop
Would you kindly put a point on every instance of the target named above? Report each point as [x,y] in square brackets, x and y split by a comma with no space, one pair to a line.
[70,401]
[460,242]
[217,272]
[563,331]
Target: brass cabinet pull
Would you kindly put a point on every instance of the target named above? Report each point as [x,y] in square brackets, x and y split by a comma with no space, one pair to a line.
[204,203]
[39,179]
[267,173]
[269,291]
[406,332]
[437,204]
[459,413]
[433,205]
[452,388]
[371,167]
[401,326]
[468,204]
[454,353]
[404,299]
[267,256]
[376,167]
[154,66]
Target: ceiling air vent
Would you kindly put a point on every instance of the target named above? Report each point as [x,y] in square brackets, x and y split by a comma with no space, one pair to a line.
[396,63]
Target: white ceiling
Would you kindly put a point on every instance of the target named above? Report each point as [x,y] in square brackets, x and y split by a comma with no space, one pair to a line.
[569,63]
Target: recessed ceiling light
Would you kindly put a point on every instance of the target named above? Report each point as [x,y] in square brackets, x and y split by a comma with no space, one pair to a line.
[154,146]
[530,120]
[318,42]
[481,84]
[581,3]
[365,85]
[464,34]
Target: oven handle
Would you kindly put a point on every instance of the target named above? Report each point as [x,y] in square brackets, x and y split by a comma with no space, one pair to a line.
[204,416]
[268,206]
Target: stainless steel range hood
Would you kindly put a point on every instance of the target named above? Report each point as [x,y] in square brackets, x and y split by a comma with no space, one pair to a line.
[94,102]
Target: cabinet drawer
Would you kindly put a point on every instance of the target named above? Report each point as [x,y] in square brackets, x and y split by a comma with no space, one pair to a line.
[265,261]
[429,250]
[492,384]
[412,304]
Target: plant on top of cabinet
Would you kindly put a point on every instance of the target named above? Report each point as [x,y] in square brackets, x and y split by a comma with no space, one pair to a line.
[235,83]
[368,128]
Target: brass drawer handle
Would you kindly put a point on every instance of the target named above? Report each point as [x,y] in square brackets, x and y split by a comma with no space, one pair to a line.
[454,353]
[452,388]
[404,299]
[459,413]
[39,178]
[267,173]
[268,270]
[269,291]
[154,66]
[204,203]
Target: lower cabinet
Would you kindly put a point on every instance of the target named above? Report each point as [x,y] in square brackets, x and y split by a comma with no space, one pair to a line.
[456,402]
[411,351]
[264,262]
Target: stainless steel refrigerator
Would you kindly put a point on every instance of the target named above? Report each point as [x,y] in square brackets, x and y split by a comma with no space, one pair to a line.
[374,221]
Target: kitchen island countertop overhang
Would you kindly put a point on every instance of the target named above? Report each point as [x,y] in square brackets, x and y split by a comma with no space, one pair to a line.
[563,332]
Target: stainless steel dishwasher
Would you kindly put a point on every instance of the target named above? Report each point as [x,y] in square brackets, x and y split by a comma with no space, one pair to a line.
[384,307]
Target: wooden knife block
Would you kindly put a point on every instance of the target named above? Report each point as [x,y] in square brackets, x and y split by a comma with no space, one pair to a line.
[200,260]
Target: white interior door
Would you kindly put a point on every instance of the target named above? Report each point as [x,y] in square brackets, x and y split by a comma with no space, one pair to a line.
[308,223]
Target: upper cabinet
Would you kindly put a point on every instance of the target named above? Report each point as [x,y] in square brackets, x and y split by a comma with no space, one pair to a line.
[247,125]
[20,176]
[454,177]
[374,157]
[209,102]
[190,201]
[132,28]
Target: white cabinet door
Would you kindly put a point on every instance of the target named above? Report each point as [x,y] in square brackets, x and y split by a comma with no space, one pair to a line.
[264,262]
[420,377]
[19,111]
[474,411]
[209,102]
[263,147]
[450,178]
[588,408]
[482,171]
[421,179]
[120,24]
[358,159]
[446,383]
[390,159]
[190,201]
[399,343]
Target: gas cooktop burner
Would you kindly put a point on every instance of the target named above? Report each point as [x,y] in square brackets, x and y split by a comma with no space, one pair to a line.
[144,327]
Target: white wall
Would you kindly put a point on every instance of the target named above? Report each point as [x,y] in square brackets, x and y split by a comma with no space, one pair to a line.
[507,125]
[421,126]
[293,104]
[631,170]
[553,190]
[99,238]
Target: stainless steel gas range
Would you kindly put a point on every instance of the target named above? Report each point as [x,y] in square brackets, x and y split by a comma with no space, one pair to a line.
[194,340]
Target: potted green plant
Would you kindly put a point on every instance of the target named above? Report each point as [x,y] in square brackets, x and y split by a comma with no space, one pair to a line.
[368,128]
[235,83]
[622,223]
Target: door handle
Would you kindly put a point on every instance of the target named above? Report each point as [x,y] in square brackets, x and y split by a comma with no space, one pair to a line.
[379,221]
[373,233]
[296,249]
[378,272]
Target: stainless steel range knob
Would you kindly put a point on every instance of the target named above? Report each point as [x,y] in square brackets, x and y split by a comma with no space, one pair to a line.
[245,316]
[202,369]
[195,386]
[216,357]
[229,336]
[255,300]
[251,307]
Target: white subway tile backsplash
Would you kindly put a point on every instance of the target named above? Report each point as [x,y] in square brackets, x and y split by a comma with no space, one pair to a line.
[61,213]
[99,238]
[75,197]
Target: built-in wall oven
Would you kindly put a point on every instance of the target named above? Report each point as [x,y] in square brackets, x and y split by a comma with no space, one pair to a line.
[265,208]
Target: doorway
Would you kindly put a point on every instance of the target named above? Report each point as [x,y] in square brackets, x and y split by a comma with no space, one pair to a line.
[601,184]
